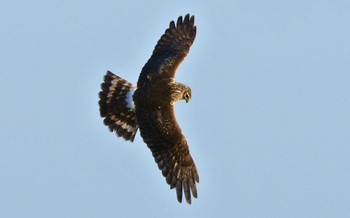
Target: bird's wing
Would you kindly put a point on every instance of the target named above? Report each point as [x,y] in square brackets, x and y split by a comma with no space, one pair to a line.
[170,50]
[169,147]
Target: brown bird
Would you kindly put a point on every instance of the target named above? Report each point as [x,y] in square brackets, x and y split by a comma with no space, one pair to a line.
[150,107]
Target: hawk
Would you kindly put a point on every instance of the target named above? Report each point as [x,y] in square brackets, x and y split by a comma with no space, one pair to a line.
[150,107]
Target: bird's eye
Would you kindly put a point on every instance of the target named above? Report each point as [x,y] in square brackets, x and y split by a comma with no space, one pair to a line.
[187,96]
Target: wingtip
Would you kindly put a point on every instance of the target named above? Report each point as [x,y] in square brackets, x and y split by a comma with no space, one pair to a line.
[187,191]
[191,20]
[179,191]
[179,22]
[187,18]
[109,73]
[172,25]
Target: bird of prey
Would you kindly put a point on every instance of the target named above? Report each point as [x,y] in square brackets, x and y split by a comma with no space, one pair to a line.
[150,107]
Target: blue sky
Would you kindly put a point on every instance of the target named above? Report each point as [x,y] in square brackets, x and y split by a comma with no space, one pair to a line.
[268,123]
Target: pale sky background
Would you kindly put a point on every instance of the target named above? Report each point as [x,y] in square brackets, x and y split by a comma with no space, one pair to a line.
[268,124]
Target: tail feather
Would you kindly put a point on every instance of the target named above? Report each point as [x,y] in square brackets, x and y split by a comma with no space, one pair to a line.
[117,106]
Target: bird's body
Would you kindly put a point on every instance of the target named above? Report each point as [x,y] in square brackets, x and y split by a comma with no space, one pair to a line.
[150,107]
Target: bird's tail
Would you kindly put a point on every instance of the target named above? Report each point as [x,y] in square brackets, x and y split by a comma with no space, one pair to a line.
[117,106]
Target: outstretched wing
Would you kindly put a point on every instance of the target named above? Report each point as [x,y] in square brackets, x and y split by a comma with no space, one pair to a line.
[170,50]
[169,147]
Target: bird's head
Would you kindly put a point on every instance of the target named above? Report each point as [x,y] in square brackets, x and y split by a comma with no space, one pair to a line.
[180,92]
[186,95]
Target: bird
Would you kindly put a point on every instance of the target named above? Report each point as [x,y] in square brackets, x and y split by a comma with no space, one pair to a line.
[149,107]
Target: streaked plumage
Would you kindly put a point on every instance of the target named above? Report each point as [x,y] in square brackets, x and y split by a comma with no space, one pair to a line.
[151,107]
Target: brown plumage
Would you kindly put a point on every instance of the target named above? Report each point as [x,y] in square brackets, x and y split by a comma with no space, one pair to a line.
[151,107]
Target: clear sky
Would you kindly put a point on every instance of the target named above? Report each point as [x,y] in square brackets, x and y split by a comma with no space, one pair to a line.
[268,124]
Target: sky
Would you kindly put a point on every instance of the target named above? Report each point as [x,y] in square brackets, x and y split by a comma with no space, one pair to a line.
[268,123]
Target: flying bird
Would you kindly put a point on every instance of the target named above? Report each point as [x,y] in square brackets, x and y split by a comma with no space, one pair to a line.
[150,107]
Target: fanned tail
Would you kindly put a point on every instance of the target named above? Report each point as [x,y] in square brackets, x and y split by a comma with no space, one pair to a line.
[117,106]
